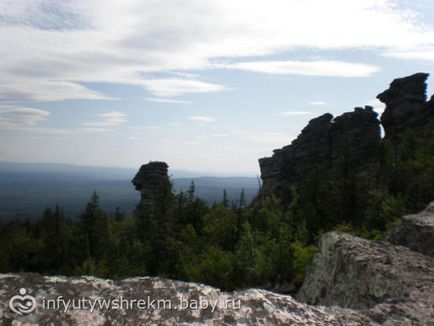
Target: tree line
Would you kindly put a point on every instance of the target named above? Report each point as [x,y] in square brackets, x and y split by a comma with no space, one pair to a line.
[268,243]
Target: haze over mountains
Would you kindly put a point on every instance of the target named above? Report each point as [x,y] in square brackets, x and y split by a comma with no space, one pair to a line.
[26,189]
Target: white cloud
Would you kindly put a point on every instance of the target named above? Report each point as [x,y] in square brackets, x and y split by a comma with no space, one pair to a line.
[220,135]
[133,138]
[423,54]
[318,103]
[191,143]
[168,87]
[109,119]
[96,129]
[307,68]
[295,113]
[57,53]
[167,100]
[12,117]
[174,124]
[144,127]
[202,118]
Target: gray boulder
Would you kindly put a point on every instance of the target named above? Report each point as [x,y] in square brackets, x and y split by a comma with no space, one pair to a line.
[415,232]
[249,307]
[391,284]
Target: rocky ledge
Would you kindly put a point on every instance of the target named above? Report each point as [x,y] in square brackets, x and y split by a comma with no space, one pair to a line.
[415,232]
[164,302]
[352,281]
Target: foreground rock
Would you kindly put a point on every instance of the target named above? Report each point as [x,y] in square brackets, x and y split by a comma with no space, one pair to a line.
[391,284]
[415,232]
[250,307]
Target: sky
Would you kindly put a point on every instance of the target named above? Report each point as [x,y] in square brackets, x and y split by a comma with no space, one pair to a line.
[203,85]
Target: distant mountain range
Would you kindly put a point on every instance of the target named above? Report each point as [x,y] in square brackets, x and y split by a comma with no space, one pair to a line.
[26,189]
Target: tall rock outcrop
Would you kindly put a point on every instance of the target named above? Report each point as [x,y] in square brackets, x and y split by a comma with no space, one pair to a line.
[406,104]
[325,138]
[151,180]
[323,141]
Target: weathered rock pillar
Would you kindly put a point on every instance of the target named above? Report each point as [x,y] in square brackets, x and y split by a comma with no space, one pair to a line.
[151,180]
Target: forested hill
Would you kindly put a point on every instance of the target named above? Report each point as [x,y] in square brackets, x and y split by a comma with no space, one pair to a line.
[26,189]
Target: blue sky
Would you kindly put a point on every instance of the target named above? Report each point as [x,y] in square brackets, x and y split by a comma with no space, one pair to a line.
[203,85]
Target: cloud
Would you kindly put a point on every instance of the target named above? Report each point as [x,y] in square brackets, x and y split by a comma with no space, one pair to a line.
[12,117]
[220,135]
[191,143]
[167,100]
[169,87]
[133,138]
[422,54]
[96,129]
[317,103]
[307,68]
[206,119]
[295,113]
[144,127]
[108,119]
[54,51]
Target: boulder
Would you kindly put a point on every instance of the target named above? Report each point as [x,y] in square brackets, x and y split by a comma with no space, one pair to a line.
[415,232]
[391,284]
[180,303]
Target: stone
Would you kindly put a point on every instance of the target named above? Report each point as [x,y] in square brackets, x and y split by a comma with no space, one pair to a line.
[415,232]
[325,139]
[184,304]
[391,284]
[321,143]
[151,180]
[406,105]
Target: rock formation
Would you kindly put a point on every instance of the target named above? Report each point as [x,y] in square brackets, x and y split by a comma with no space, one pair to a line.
[391,284]
[249,307]
[415,232]
[406,105]
[325,138]
[355,281]
[319,145]
[151,180]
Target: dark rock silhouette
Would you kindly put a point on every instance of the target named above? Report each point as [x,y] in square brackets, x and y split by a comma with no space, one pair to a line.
[406,105]
[325,138]
[320,144]
[150,180]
